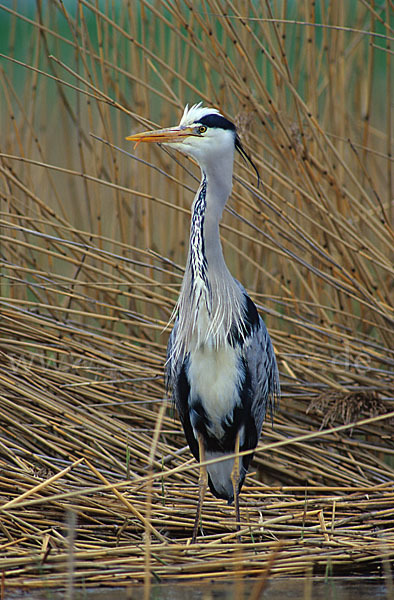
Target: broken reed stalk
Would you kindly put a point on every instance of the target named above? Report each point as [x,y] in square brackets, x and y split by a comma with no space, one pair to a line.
[93,247]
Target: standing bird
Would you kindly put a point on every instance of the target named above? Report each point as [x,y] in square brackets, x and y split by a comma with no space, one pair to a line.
[221,365]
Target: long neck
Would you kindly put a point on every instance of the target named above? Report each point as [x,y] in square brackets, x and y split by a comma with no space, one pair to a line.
[206,259]
[211,302]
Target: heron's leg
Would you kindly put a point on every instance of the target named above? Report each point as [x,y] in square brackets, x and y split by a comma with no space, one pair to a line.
[235,477]
[202,486]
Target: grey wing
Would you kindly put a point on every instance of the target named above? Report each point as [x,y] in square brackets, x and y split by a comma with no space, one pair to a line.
[260,357]
[176,380]
[171,363]
[178,383]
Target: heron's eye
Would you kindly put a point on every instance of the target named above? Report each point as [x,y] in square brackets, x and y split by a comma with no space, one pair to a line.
[201,129]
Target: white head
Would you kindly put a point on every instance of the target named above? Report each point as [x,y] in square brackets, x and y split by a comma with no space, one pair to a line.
[213,137]
[204,134]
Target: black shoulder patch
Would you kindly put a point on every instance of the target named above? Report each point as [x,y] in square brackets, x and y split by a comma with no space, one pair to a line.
[217,121]
[250,321]
[251,313]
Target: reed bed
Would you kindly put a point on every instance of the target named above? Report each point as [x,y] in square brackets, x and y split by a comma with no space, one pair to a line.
[97,486]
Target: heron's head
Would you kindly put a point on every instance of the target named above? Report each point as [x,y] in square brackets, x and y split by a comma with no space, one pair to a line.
[203,133]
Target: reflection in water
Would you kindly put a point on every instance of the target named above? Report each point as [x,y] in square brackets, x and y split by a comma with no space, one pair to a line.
[350,588]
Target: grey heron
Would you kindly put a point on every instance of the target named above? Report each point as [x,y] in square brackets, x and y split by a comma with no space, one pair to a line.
[221,364]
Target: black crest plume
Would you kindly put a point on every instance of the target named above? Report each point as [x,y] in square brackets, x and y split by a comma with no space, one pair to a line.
[246,157]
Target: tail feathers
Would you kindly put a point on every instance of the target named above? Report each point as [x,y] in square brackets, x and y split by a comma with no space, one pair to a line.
[219,476]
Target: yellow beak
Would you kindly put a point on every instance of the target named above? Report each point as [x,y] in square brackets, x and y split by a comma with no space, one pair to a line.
[172,134]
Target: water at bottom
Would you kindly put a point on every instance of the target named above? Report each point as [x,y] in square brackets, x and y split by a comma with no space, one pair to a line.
[335,588]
